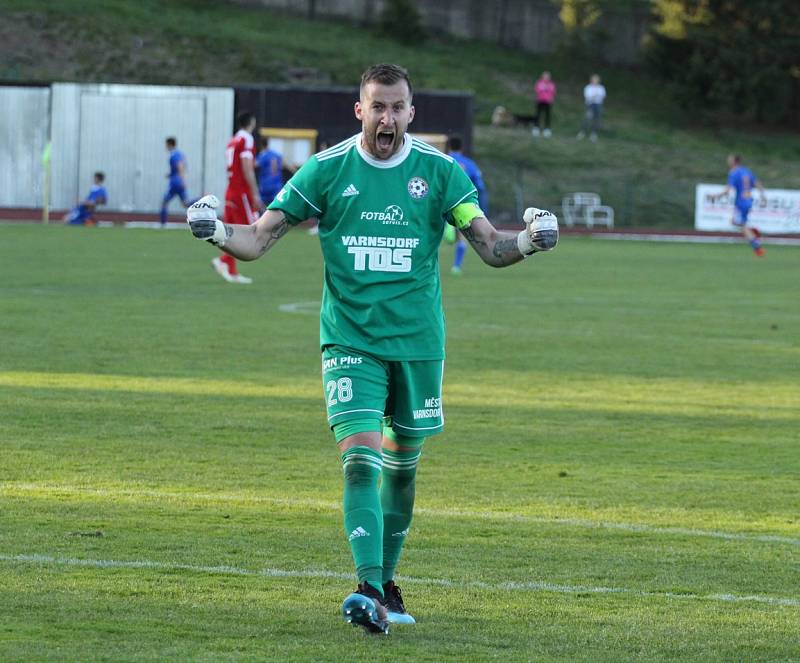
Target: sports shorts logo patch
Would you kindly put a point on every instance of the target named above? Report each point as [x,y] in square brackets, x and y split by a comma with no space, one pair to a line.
[417,188]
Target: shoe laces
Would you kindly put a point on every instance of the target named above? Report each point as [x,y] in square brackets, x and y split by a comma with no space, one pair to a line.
[368,590]
[393,591]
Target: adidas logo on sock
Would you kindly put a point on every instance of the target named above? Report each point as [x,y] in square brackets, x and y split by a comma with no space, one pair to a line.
[350,191]
[403,533]
[357,532]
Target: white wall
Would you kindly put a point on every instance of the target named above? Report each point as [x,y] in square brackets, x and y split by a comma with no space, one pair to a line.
[120,130]
[24,118]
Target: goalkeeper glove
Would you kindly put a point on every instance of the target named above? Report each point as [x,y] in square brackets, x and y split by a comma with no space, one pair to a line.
[540,234]
[202,219]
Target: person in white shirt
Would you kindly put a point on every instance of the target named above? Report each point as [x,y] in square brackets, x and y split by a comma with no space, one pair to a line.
[594,94]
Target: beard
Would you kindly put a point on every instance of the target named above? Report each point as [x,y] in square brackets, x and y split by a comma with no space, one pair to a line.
[383,143]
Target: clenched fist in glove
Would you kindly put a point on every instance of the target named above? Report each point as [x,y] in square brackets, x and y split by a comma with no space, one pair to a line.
[202,219]
[541,232]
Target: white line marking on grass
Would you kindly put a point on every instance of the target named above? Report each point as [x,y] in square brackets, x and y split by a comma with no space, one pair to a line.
[502,516]
[148,225]
[692,239]
[538,586]
[304,308]
[603,524]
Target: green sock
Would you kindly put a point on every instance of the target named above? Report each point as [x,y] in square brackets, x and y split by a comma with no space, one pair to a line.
[397,499]
[363,517]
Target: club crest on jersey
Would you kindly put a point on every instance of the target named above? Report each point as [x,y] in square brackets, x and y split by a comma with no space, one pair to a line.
[417,188]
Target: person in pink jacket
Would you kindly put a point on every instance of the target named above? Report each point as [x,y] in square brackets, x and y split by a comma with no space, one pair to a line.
[545,90]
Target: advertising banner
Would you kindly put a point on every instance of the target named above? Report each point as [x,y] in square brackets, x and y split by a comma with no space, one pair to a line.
[780,215]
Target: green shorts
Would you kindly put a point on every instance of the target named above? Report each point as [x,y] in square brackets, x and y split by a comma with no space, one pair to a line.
[360,386]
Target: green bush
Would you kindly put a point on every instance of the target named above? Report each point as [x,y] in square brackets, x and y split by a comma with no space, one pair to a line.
[401,21]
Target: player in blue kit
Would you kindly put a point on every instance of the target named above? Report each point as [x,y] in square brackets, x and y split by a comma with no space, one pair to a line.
[83,212]
[454,146]
[269,166]
[742,180]
[177,178]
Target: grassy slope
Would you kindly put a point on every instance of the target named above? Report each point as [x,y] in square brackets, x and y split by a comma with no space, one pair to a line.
[646,166]
[643,390]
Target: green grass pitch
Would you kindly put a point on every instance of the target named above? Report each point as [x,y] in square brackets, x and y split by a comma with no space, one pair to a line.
[618,478]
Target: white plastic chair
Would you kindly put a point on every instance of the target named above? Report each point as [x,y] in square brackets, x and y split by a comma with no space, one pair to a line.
[574,207]
[600,215]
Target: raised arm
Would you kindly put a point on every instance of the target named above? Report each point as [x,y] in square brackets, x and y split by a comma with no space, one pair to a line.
[495,247]
[500,248]
[242,242]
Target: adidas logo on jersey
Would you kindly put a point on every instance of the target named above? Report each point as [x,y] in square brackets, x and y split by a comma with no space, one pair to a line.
[357,532]
[350,191]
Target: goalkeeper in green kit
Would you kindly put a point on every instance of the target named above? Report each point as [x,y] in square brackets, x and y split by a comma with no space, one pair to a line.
[382,198]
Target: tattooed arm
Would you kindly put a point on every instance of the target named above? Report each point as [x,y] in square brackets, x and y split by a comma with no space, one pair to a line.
[244,242]
[251,242]
[499,249]
[495,247]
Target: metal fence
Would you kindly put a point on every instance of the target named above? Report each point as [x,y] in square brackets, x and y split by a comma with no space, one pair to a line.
[121,129]
[24,127]
[636,203]
[117,129]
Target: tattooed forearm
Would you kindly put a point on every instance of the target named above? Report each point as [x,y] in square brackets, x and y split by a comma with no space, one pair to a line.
[249,242]
[280,230]
[506,251]
[477,242]
[275,233]
[497,248]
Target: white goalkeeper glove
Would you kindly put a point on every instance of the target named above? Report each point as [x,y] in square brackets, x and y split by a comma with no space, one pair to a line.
[540,234]
[202,219]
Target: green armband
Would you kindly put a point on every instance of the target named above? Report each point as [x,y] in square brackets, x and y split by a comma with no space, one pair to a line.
[463,214]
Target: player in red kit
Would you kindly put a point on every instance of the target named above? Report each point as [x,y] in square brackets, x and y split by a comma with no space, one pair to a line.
[242,201]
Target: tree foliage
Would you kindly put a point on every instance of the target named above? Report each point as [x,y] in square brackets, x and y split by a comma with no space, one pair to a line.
[578,15]
[579,19]
[587,30]
[741,56]
[401,20]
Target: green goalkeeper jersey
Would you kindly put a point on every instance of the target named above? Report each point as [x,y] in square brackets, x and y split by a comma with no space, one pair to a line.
[380,227]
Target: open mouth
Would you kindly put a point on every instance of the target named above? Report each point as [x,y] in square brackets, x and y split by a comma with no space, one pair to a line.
[385,139]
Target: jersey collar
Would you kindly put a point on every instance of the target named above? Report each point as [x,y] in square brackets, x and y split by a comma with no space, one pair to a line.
[396,160]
